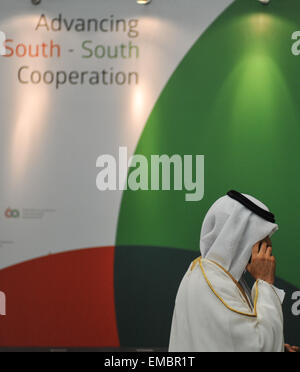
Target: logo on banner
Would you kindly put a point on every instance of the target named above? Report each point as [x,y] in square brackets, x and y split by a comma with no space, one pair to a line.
[2,304]
[2,43]
[12,213]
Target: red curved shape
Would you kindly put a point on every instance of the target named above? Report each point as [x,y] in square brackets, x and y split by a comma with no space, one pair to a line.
[62,300]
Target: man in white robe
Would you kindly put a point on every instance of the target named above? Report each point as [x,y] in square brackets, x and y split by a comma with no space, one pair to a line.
[214,310]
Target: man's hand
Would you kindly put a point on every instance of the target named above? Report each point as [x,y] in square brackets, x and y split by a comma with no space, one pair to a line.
[263,264]
[291,349]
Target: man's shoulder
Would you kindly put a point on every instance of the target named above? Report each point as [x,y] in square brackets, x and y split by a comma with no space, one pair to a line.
[224,287]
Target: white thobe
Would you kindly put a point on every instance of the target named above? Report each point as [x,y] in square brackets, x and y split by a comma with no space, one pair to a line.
[213,314]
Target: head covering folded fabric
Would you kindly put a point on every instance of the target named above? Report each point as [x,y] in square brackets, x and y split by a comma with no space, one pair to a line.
[229,232]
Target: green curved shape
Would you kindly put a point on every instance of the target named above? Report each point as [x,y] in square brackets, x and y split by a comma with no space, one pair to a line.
[235,99]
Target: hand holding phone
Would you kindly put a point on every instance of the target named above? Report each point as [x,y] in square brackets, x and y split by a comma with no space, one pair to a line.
[263,263]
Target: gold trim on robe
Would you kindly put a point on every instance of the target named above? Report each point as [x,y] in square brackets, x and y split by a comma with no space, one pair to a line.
[253,314]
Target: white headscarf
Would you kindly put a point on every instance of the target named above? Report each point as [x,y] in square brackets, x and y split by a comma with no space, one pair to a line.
[230,231]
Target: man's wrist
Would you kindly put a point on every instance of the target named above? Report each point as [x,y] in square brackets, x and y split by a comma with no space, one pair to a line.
[267,280]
